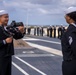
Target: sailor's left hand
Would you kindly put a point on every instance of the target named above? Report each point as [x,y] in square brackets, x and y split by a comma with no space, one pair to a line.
[21,29]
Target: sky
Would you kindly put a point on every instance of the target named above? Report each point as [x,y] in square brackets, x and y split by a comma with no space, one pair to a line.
[37,12]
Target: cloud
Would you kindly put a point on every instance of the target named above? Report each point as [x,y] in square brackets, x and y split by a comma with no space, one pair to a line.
[52,5]
[43,11]
[35,8]
[69,2]
[44,6]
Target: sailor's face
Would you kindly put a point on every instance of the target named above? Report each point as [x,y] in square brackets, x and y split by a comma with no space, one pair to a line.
[4,19]
[67,18]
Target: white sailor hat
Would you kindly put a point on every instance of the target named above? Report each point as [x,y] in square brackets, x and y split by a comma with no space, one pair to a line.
[2,12]
[70,9]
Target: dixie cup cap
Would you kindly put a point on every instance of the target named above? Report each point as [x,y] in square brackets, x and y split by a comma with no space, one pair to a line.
[70,9]
[2,12]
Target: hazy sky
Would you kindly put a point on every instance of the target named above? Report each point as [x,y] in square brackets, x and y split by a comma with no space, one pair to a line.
[37,12]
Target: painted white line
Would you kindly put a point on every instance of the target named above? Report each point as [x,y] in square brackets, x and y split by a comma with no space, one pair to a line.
[48,49]
[35,55]
[31,39]
[19,68]
[28,52]
[30,66]
[34,39]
